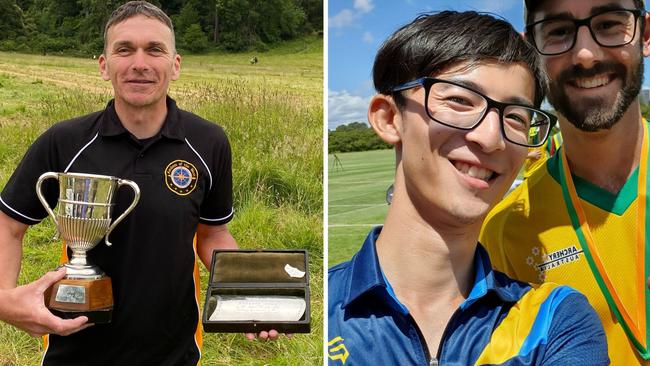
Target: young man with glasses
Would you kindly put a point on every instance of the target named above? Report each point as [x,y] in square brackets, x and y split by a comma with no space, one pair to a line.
[581,220]
[457,96]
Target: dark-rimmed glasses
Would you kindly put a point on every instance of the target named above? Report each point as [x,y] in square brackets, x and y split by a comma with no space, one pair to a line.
[612,28]
[458,106]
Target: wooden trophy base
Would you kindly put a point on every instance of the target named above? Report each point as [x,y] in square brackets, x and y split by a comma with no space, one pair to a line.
[70,298]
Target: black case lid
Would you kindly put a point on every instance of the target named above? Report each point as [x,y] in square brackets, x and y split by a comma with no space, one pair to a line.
[259,267]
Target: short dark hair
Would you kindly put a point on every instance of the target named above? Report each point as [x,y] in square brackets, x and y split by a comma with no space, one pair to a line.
[435,41]
[531,5]
[133,8]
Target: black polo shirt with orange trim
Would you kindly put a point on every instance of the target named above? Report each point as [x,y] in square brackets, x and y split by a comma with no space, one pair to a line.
[184,175]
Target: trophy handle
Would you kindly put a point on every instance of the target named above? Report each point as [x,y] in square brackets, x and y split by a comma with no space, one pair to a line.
[39,182]
[136,190]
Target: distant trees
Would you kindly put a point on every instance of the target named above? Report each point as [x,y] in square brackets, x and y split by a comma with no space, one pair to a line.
[355,136]
[645,111]
[11,20]
[76,26]
[194,39]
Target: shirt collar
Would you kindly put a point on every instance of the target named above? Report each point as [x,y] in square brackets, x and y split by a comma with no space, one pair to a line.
[367,276]
[172,126]
[487,280]
[366,272]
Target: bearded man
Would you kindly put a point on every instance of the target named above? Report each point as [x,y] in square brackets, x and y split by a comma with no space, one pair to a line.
[581,220]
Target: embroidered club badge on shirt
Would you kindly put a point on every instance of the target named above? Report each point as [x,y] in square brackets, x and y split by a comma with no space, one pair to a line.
[181,177]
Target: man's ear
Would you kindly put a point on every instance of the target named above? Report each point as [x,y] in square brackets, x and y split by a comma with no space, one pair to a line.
[646,35]
[176,67]
[385,118]
[103,67]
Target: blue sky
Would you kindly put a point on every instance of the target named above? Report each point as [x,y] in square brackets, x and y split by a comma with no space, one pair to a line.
[356,29]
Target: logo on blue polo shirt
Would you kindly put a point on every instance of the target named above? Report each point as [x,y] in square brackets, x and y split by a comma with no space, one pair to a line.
[337,350]
[181,177]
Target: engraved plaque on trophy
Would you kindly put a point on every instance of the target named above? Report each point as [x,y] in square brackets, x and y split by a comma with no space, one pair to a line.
[82,218]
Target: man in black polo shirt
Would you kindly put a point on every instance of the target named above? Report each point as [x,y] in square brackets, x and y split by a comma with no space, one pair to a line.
[140,136]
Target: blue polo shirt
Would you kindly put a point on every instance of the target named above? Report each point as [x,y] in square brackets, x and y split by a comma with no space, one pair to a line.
[502,321]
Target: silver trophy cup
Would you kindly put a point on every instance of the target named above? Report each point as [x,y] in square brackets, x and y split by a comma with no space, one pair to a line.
[82,218]
[83,214]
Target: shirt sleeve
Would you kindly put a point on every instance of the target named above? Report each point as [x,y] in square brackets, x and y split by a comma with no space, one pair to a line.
[18,198]
[576,336]
[217,208]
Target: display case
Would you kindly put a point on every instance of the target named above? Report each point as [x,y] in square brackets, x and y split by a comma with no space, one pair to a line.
[256,290]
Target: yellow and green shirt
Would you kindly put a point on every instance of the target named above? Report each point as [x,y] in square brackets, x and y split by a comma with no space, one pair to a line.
[547,150]
[529,236]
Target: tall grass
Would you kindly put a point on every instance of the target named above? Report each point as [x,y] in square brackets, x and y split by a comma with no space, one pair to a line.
[274,124]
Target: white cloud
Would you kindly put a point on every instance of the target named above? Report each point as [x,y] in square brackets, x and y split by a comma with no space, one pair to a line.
[344,108]
[364,6]
[347,17]
[367,37]
[343,19]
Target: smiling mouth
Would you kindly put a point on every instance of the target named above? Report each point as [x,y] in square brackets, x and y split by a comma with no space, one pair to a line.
[475,171]
[140,81]
[592,82]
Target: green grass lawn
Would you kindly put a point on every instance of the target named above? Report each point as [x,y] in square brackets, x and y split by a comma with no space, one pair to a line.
[273,115]
[357,198]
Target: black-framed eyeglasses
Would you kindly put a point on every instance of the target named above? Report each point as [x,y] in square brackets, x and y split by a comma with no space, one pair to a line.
[458,106]
[612,28]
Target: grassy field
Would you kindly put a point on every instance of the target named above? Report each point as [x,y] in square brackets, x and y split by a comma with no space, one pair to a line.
[357,198]
[273,115]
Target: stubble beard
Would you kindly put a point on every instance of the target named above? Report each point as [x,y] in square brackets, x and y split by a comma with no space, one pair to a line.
[593,114]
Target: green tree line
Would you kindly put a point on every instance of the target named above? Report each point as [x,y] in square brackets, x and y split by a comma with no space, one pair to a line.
[355,136]
[645,111]
[358,136]
[77,26]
